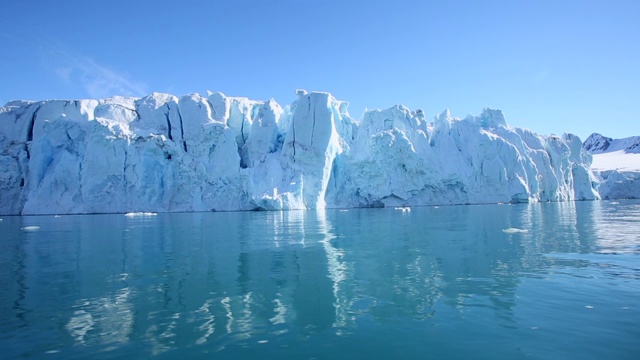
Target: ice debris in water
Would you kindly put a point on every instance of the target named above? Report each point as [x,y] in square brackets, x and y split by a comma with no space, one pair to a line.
[135,214]
[515,230]
[30,228]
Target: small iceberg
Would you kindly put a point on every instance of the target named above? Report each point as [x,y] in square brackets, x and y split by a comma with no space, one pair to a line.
[30,228]
[515,230]
[136,214]
[404,209]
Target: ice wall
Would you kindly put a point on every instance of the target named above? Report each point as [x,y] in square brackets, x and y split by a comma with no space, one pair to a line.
[218,153]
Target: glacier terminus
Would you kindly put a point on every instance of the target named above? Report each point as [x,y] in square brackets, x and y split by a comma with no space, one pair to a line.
[163,153]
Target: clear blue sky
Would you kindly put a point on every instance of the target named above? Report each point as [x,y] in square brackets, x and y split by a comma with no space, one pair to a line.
[551,66]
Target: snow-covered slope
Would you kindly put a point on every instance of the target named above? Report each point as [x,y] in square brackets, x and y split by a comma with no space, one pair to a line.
[616,160]
[213,153]
[617,164]
[598,144]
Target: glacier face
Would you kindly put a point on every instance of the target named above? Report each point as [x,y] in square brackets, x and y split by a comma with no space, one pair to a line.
[218,153]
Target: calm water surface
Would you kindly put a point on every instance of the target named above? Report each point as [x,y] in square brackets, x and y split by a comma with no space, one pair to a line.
[437,282]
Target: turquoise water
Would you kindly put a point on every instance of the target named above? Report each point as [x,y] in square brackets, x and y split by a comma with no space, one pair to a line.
[563,282]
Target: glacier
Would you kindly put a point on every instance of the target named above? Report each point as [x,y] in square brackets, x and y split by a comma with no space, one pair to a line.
[163,153]
[616,164]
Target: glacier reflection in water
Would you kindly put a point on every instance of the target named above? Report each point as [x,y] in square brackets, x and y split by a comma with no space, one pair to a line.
[559,280]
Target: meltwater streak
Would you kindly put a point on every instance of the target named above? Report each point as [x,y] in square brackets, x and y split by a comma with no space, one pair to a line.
[435,282]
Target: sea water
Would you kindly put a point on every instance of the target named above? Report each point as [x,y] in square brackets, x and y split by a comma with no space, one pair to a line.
[531,281]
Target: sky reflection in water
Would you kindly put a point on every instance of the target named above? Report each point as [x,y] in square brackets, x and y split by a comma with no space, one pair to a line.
[435,281]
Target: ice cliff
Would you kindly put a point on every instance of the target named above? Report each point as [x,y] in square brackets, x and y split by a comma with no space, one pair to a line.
[217,153]
[616,163]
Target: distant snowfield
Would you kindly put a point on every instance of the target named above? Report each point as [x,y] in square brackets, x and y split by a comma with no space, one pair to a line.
[616,160]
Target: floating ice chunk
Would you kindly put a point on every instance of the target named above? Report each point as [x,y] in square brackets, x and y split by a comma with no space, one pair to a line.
[404,209]
[135,214]
[515,230]
[30,228]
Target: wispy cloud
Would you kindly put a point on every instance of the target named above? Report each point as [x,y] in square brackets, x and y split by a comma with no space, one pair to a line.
[98,80]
